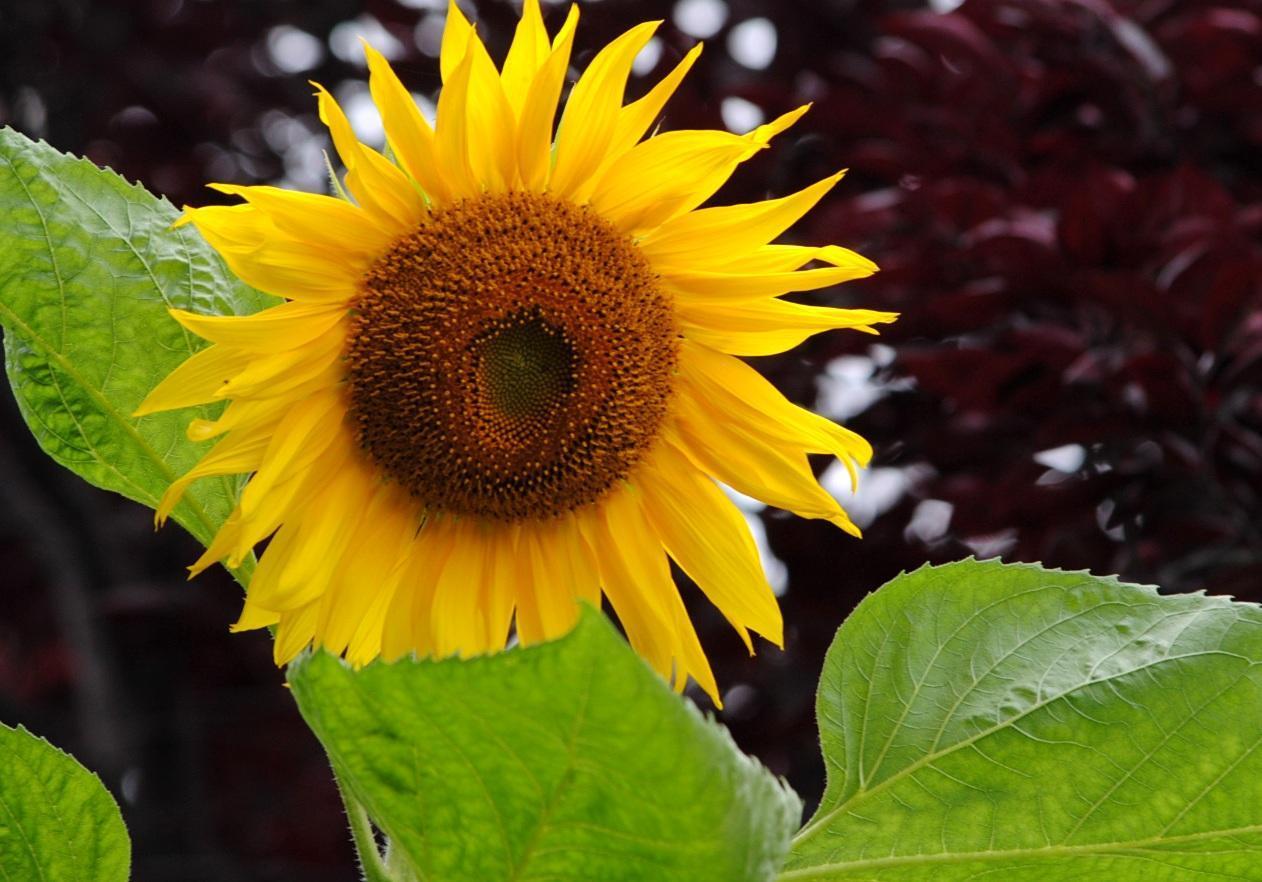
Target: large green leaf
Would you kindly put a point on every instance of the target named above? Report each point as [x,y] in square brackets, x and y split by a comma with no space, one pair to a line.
[89,265]
[569,762]
[57,823]
[983,721]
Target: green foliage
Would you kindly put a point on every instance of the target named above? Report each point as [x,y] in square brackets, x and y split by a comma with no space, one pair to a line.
[89,265]
[566,761]
[1010,722]
[57,823]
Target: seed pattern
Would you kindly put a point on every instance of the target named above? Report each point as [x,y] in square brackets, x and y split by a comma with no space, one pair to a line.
[512,358]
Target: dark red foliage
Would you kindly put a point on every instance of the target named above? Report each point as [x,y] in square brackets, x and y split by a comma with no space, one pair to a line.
[1067,214]
[1066,203]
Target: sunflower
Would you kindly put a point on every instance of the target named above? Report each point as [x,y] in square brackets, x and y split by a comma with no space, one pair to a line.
[505,373]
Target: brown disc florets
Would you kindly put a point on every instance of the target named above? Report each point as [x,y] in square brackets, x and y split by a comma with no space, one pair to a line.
[511,358]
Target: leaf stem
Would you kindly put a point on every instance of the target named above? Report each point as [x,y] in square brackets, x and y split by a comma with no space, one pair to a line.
[370,862]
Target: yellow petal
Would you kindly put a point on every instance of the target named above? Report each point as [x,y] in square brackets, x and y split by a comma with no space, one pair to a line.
[581,571]
[590,120]
[196,381]
[765,132]
[276,264]
[551,568]
[456,614]
[291,493]
[526,55]
[282,327]
[280,549]
[666,176]
[713,235]
[476,125]
[636,578]
[456,33]
[706,287]
[528,617]
[631,577]
[785,258]
[410,137]
[294,279]
[294,634]
[375,562]
[376,183]
[498,595]
[245,415]
[284,373]
[708,537]
[300,438]
[534,129]
[237,454]
[749,400]
[551,580]
[240,227]
[365,643]
[768,326]
[311,546]
[408,622]
[451,144]
[685,171]
[333,227]
[491,123]
[635,118]
[775,473]
[220,546]
[254,617]
[692,661]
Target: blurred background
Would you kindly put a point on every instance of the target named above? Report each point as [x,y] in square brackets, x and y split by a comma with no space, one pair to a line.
[1065,197]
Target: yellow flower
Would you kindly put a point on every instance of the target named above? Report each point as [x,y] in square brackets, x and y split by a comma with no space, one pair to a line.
[504,376]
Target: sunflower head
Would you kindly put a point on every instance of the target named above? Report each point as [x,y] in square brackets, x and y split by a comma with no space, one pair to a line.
[506,373]
[510,359]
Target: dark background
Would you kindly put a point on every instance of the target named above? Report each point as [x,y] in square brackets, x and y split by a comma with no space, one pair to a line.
[1065,199]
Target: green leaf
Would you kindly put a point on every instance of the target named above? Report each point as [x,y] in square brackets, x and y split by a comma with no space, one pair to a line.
[568,761]
[1025,725]
[89,265]
[57,822]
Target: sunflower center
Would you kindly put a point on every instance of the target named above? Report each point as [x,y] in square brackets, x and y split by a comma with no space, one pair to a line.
[511,358]
[526,369]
